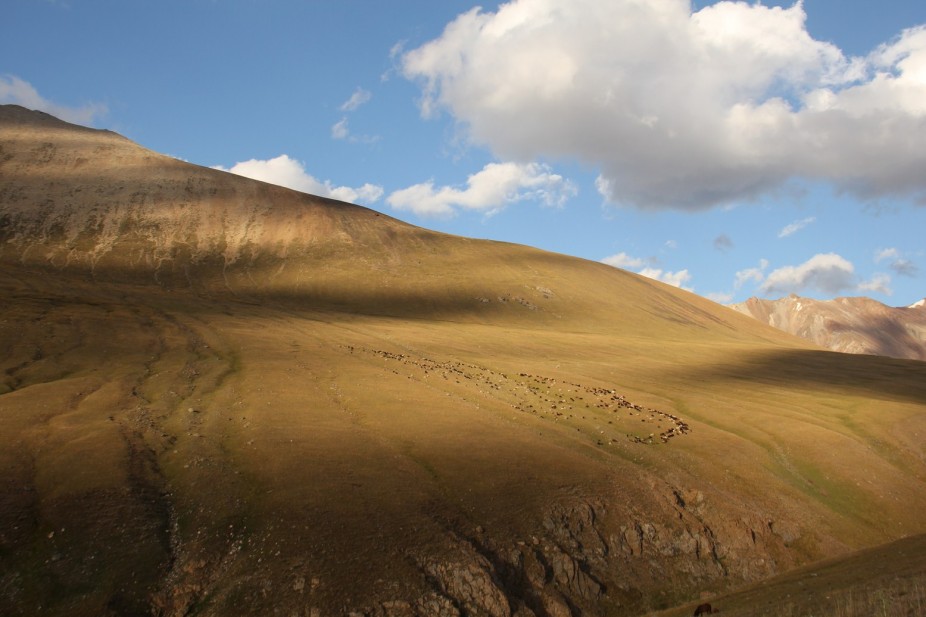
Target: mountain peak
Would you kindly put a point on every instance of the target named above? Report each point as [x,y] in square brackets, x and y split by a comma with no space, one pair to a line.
[18,115]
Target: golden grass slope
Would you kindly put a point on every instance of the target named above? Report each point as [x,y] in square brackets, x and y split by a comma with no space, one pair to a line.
[237,399]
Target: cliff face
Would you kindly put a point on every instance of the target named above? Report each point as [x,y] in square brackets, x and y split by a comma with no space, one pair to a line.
[850,325]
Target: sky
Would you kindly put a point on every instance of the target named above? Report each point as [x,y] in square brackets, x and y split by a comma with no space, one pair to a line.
[733,149]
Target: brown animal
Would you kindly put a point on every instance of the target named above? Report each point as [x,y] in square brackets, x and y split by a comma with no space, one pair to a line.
[705,609]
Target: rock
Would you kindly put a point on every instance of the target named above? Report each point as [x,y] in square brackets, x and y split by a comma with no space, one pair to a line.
[555,605]
[435,605]
[568,574]
[469,579]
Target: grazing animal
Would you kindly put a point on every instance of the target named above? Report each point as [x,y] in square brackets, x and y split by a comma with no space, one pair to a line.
[705,609]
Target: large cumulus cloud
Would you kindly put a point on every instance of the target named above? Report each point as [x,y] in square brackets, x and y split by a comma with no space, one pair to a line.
[679,108]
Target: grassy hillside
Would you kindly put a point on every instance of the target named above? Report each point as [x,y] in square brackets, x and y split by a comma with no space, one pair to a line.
[221,397]
[888,581]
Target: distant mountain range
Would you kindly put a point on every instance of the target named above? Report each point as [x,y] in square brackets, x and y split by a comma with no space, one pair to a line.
[850,325]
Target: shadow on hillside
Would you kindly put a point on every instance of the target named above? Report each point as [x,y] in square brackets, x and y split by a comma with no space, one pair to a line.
[893,337]
[426,302]
[827,371]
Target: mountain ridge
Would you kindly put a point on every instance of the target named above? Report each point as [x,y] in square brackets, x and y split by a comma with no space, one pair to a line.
[851,325]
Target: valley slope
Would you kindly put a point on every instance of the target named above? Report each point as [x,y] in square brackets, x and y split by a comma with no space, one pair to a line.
[219,396]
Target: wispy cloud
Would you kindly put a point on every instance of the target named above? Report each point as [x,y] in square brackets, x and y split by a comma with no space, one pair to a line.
[720,297]
[879,283]
[796,226]
[358,98]
[905,267]
[899,264]
[882,254]
[339,129]
[16,91]
[723,242]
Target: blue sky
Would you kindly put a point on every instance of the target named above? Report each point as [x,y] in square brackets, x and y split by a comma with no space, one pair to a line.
[733,149]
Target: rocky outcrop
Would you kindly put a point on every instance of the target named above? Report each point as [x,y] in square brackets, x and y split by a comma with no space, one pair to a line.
[589,557]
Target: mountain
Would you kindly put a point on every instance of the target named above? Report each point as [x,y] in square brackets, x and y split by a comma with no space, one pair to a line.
[219,396]
[850,325]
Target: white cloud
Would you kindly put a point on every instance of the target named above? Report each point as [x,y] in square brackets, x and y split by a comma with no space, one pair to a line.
[681,109]
[290,173]
[625,261]
[358,98]
[16,91]
[827,273]
[796,226]
[755,275]
[339,129]
[676,279]
[628,262]
[883,254]
[879,283]
[489,190]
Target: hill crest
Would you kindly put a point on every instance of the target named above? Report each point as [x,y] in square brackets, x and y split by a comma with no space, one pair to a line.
[92,202]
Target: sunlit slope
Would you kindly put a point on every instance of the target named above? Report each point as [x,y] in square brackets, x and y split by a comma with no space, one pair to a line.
[93,203]
[352,414]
